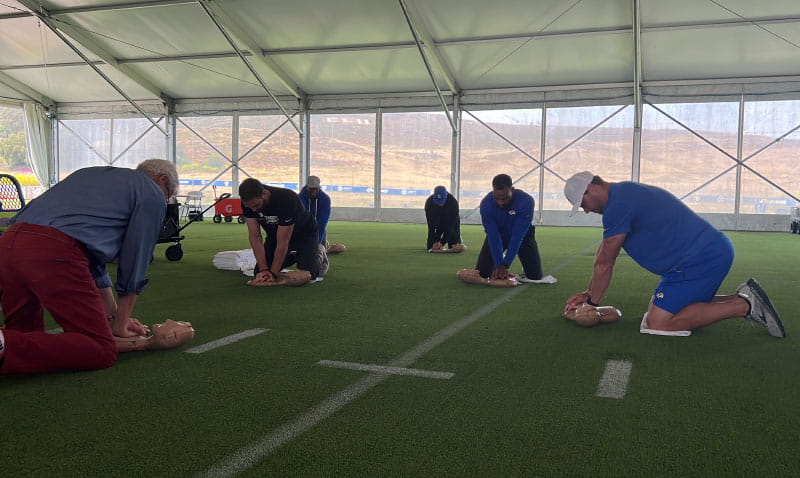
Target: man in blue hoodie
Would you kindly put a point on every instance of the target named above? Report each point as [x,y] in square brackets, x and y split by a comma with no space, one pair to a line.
[507,217]
[316,202]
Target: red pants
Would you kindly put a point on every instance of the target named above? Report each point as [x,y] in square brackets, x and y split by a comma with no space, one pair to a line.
[43,267]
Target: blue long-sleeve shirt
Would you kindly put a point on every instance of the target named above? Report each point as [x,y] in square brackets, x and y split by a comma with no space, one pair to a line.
[506,227]
[319,207]
[116,213]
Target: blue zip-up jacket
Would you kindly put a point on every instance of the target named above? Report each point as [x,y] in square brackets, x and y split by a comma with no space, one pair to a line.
[319,207]
[505,228]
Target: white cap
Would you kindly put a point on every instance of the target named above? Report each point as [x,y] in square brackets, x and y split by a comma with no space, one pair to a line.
[575,187]
[313,182]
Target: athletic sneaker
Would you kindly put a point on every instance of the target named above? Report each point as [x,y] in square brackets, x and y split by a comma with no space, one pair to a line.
[548,279]
[761,309]
[324,265]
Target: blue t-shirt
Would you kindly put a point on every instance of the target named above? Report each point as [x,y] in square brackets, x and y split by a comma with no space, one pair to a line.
[117,213]
[663,234]
[506,227]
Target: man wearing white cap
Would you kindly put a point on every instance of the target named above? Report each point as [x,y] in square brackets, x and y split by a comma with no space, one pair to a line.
[667,238]
[318,204]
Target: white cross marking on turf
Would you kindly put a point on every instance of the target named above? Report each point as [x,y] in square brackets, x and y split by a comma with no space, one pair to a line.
[386,370]
[614,382]
[224,341]
[245,458]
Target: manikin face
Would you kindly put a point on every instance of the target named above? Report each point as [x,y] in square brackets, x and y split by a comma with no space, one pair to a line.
[502,197]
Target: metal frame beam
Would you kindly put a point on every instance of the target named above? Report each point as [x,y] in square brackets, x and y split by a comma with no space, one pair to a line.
[90,44]
[636,14]
[57,27]
[223,22]
[26,91]
[221,16]
[418,26]
[425,60]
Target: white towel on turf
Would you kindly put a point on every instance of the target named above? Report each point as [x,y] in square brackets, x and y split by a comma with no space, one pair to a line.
[243,260]
[676,333]
[548,279]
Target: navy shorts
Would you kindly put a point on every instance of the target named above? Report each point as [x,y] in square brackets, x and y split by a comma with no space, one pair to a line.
[696,281]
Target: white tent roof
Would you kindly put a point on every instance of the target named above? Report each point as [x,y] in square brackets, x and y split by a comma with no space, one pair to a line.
[312,48]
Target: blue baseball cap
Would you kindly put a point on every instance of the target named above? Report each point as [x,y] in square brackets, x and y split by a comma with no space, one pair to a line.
[440,195]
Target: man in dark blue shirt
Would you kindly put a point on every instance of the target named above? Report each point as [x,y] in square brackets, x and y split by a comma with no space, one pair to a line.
[54,257]
[507,217]
[664,236]
[444,224]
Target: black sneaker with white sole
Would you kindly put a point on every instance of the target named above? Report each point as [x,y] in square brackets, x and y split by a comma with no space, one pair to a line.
[761,309]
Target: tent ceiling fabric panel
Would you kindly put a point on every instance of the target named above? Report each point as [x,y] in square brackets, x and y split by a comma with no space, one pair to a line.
[703,11]
[542,62]
[315,23]
[72,84]
[448,19]
[223,77]
[365,47]
[359,72]
[152,32]
[742,51]
[24,41]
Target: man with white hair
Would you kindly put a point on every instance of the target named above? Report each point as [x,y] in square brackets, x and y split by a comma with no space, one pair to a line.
[54,256]
[664,236]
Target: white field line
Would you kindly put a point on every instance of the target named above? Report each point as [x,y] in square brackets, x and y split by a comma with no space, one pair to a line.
[245,458]
[614,382]
[57,330]
[415,372]
[224,341]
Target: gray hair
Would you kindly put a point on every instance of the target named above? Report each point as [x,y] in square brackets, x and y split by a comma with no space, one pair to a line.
[157,167]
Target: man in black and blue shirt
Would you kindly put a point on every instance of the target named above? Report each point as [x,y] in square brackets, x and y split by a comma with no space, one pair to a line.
[292,235]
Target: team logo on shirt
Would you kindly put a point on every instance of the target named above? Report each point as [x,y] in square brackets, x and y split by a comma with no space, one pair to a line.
[512,212]
[271,219]
[660,295]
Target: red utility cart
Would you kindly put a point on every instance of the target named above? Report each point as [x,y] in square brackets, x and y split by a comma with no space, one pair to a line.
[228,208]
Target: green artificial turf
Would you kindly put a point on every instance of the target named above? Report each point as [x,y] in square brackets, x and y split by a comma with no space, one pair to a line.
[521,402]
